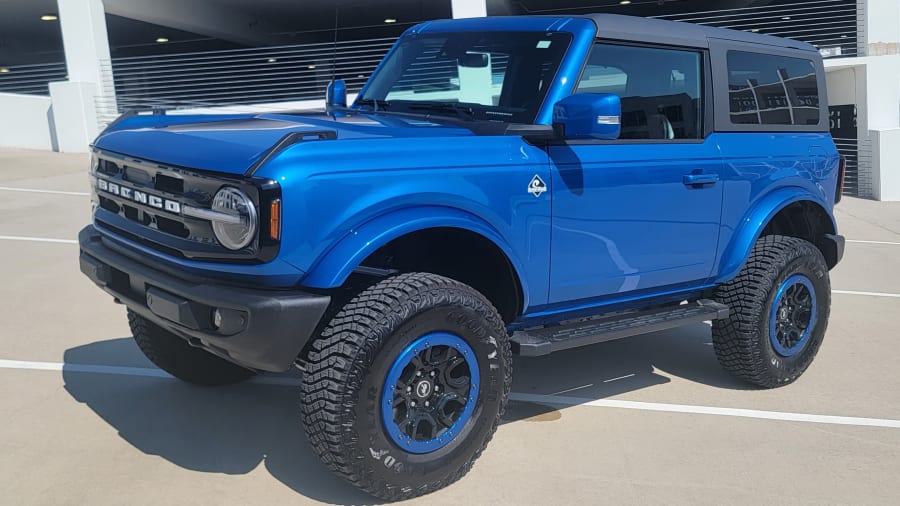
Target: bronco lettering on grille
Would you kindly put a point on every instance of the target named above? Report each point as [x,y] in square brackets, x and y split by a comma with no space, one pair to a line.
[148,199]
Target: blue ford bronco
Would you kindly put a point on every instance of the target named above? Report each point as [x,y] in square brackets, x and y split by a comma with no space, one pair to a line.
[499,186]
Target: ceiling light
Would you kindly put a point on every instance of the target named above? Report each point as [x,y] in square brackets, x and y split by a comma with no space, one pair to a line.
[49,17]
[390,20]
[4,70]
[843,36]
[625,2]
[311,67]
[755,30]
[786,18]
[272,60]
[161,39]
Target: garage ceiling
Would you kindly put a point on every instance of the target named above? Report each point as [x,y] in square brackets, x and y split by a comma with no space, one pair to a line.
[200,25]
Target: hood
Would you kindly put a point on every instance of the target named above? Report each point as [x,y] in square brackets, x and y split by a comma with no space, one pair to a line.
[233,143]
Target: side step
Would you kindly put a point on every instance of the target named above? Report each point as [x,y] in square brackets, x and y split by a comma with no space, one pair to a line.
[545,340]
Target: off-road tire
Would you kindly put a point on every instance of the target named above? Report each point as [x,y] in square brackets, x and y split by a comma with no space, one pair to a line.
[742,341]
[178,358]
[346,370]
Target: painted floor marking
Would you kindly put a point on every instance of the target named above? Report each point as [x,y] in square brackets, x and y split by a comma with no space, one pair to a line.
[869,294]
[546,399]
[54,192]
[37,239]
[619,378]
[874,242]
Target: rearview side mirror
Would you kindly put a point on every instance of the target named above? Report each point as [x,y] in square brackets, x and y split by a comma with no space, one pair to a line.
[589,116]
[336,95]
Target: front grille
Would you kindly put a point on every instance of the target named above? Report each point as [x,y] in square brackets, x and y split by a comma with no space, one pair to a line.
[142,201]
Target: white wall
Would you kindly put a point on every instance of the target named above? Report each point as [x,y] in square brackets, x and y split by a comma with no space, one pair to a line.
[26,122]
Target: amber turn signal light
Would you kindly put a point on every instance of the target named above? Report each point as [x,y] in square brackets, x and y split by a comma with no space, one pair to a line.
[275,219]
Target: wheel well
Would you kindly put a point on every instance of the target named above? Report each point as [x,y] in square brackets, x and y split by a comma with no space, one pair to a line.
[458,254]
[806,220]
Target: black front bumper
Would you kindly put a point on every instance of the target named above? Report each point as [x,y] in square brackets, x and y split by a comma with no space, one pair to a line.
[258,329]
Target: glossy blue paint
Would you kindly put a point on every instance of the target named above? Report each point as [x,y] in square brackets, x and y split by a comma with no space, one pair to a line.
[590,116]
[623,219]
[762,174]
[621,223]
[796,282]
[232,144]
[392,381]
[483,188]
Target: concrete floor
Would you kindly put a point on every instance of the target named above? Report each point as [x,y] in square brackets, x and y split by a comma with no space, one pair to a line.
[86,420]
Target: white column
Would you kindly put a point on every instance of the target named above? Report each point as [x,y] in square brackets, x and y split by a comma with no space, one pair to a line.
[881,94]
[90,79]
[882,27]
[469,8]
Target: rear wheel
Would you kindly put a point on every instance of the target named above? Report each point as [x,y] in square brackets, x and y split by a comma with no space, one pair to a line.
[178,358]
[779,304]
[407,384]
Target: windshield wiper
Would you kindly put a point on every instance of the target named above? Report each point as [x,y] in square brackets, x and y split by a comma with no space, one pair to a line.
[462,110]
[375,103]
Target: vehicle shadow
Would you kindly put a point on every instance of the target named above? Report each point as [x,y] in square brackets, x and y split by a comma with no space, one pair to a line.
[232,430]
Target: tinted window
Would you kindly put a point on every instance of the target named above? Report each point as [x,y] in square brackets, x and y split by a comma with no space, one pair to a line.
[659,88]
[772,90]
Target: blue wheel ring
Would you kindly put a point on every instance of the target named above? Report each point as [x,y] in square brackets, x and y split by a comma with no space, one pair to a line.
[785,311]
[417,349]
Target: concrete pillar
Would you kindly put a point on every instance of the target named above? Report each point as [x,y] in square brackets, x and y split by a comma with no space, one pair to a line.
[468,8]
[882,27]
[90,84]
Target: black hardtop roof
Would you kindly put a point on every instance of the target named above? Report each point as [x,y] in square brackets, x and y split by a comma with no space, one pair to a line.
[616,26]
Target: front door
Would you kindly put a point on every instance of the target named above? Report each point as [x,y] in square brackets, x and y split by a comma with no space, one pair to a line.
[639,214]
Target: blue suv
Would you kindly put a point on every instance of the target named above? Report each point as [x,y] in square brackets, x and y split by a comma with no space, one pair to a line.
[500,186]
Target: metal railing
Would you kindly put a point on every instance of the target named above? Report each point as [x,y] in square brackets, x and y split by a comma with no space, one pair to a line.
[243,76]
[858,175]
[31,79]
[830,25]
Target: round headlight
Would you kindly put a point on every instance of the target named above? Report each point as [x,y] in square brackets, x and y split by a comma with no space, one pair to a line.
[236,229]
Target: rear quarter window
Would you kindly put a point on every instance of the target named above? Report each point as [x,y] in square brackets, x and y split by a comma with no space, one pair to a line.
[769,89]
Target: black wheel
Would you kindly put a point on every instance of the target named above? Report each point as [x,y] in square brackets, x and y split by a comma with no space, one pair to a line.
[779,304]
[406,385]
[175,356]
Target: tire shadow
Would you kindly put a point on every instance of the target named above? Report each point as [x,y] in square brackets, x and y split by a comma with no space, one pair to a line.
[232,430]
[227,430]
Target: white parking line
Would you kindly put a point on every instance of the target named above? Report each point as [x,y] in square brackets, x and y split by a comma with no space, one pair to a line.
[875,242]
[868,294]
[545,399]
[32,190]
[36,239]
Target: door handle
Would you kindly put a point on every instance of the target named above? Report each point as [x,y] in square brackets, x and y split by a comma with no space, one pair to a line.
[700,179]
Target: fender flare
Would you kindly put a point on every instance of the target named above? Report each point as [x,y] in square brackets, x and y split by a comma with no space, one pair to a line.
[335,265]
[755,221]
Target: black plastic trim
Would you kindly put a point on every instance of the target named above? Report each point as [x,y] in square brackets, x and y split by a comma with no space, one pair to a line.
[288,140]
[277,326]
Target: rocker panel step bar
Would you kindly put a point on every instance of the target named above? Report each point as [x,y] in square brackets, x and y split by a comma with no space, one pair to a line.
[546,340]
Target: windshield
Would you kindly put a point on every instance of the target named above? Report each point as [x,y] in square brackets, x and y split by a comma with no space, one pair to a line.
[499,76]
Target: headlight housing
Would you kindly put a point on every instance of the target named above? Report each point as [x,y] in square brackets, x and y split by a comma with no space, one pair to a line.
[236,226]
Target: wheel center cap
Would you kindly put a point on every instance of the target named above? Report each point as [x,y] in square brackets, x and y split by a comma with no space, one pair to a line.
[423,389]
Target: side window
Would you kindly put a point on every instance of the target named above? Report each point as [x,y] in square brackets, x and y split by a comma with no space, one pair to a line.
[659,89]
[772,90]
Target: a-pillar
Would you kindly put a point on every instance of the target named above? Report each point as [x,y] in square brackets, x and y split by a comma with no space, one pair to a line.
[468,8]
[87,98]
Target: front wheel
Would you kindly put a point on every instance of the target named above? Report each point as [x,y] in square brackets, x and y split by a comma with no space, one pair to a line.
[406,385]
[779,305]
